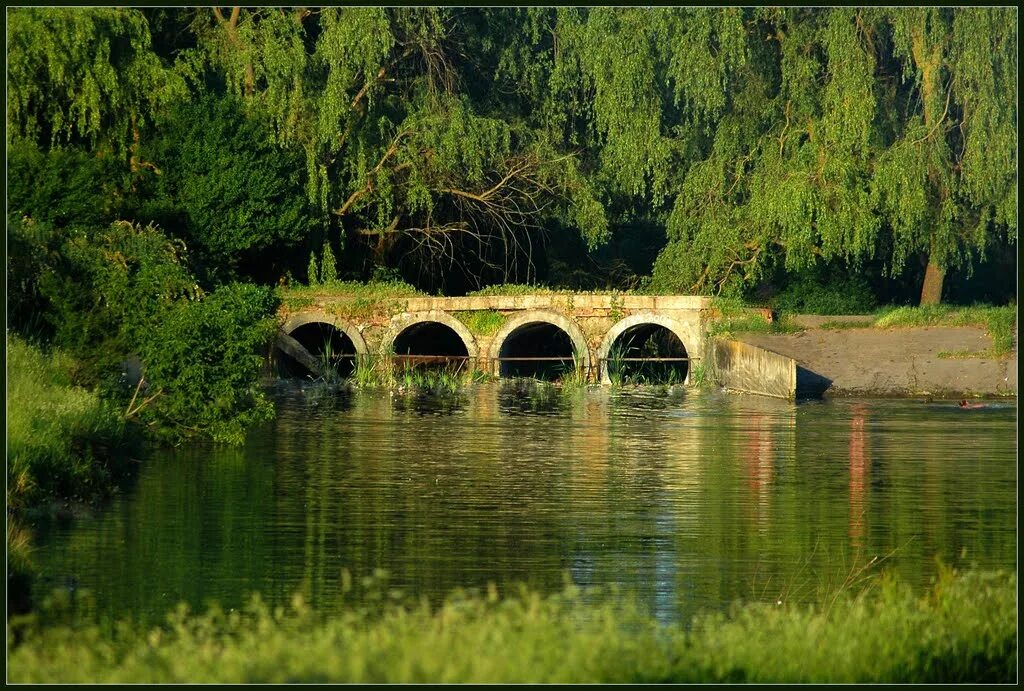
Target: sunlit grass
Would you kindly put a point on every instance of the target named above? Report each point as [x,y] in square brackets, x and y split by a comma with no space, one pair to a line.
[357,289]
[732,316]
[998,321]
[963,629]
[60,438]
[481,322]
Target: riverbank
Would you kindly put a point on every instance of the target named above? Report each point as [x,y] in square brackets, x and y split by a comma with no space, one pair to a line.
[944,355]
[66,447]
[63,442]
[962,630]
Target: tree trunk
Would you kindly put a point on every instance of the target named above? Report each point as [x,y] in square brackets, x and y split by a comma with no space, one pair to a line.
[931,291]
[929,62]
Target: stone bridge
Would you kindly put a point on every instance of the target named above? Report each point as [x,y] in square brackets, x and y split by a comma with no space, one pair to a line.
[527,335]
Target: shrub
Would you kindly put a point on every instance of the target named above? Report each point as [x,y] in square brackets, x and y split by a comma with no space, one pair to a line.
[66,187]
[224,184]
[837,295]
[328,268]
[203,360]
[109,288]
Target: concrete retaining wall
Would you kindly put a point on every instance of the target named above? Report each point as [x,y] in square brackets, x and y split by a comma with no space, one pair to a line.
[747,368]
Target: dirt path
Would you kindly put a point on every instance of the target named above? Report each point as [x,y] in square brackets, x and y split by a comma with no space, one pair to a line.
[896,361]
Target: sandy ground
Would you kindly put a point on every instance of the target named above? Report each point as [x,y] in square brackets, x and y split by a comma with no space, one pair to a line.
[893,361]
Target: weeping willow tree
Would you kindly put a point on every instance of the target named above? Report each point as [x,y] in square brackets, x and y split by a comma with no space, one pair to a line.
[851,132]
[399,156]
[454,139]
[84,76]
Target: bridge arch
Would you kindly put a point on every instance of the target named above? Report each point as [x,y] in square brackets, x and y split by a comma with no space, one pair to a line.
[537,321]
[302,336]
[298,320]
[435,325]
[639,320]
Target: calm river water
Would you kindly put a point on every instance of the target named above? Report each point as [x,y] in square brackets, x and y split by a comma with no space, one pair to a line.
[690,499]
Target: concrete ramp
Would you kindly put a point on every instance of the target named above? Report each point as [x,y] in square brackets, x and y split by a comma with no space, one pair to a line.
[749,369]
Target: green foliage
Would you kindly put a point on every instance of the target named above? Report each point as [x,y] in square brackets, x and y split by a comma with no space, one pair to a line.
[83,75]
[963,629]
[813,295]
[823,155]
[125,291]
[482,322]
[108,289]
[731,316]
[223,184]
[65,187]
[203,362]
[328,269]
[430,380]
[394,153]
[312,274]
[512,289]
[371,290]
[63,441]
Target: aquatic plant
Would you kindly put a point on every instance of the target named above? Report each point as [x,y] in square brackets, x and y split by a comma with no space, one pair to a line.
[573,375]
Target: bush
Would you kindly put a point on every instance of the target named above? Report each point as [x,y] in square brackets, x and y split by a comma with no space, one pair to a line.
[203,360]
[839,295]
[66,187]
[225,185]
[107,289]
[126,291]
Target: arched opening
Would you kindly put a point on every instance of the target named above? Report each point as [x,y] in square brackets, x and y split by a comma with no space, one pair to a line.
[647,354]
[430,344]
[539,350]
[328,344]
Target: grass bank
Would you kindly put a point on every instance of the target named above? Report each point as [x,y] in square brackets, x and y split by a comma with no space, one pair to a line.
[732,316]
[999,322]
[962,630]
[63,442]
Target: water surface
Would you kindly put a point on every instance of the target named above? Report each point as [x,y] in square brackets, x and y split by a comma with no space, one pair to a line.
[690,499]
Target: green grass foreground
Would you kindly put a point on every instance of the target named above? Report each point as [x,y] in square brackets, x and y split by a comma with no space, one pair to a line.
[63,441]
[962,629]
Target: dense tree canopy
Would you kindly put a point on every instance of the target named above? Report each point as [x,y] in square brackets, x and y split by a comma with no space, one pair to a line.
[466,145]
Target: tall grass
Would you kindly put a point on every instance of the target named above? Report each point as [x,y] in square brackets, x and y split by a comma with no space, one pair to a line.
[963,629]
[62,441]
[573,375]
[434,380]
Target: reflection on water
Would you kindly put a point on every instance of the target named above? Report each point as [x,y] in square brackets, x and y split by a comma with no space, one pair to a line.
[690,499]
